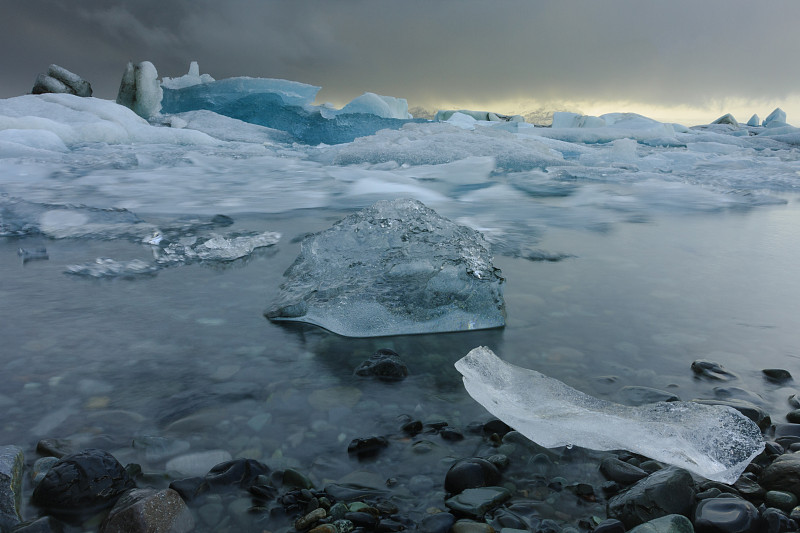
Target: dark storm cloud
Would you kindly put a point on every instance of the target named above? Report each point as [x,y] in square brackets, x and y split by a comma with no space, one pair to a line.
[676,52]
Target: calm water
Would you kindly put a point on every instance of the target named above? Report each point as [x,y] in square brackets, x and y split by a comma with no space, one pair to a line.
[187,354]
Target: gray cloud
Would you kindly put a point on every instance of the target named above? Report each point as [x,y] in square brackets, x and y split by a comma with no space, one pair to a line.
[677,52]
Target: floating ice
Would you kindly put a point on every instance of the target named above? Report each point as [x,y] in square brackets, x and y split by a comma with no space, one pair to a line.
[713,441]
[103,267]
[193,77]
[394,268]
[446,114]
[215,95]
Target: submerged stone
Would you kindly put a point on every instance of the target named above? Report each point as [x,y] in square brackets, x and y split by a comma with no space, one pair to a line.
[149,510]
[11,465]
[394,268]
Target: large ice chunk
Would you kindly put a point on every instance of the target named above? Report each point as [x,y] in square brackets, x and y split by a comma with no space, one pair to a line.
[60,80]
[394,268]
[139,89]
[777,117]
[193,77]
[713,441]
[216,94]
[375,104]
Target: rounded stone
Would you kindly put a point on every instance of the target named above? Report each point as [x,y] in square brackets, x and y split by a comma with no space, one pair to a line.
[437,523]
[668,491]
[610,525]
[673,523]
[785,501]
[385,365]
[725,515]
[470,473]
[620,471]
[793,416]
[82,484]
[149,510]
[783,474]
[777,375]
[471,526]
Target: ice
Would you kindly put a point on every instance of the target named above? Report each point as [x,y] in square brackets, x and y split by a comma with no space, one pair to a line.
[381,106]
[214,95]
[563,119]
[193,77]
[61,80]
[713,441]
[394,268]
[754,121]
[777,117]
[140,90]
[77,120]
[218,248]
[104,267]
[446,114]
[727,119]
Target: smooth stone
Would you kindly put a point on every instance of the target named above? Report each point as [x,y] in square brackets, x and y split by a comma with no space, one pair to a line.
[610,525]
[673,523]
[636,395]
[794,400]
[11,467]
[367,447]
[81,484]
[793,416]
[293,478]
[385,365]
[41,467]
[437,523]
[362,519]
[748,409]
[776,521]
[777,375]
[324,528]
[616,470]
[785,501]
[342,492]
[725,515]
[470,473]
[712,370]
[475,502]
[198,463]
[387,525]
[668,491]
[55,447]
[363,479]
[310,519]
[471,526]
[148,510]
[337,511]
[241,473]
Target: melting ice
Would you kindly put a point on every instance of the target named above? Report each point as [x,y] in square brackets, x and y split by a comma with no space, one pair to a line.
[713,441]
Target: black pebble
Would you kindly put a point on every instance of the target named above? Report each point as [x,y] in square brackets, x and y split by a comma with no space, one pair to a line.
[469,474]
[385,365]
[368,447]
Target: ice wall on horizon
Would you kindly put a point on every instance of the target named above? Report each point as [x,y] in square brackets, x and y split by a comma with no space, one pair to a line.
[713,441]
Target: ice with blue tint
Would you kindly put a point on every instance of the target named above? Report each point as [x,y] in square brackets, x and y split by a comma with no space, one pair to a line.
[394,268]
[378,105]
[713,441]
[214,95]
[193,77]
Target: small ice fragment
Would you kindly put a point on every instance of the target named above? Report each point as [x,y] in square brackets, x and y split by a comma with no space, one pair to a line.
[713,441]
[155,239]
[35,254]
[103,267]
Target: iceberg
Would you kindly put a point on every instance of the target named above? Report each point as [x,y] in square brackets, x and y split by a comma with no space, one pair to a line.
[727,119]
[776,118]
[60,80]
[394,268]
[193,77]
[214,95]
[754,121]
[139,89]
[381,106]
[713,441]
[445,115]
[563,119]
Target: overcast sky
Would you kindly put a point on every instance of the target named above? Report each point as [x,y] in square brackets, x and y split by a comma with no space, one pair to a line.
[684,57]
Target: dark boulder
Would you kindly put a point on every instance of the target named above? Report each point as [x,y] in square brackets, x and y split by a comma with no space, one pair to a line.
[385,365]
[81,484]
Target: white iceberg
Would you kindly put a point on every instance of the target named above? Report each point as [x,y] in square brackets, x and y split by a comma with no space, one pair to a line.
[193,77]
[713,441]
[375,104]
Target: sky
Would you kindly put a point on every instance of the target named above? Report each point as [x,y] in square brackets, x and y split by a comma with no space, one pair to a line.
[686,61]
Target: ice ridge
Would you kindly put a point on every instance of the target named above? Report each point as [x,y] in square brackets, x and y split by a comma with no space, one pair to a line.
[713,441]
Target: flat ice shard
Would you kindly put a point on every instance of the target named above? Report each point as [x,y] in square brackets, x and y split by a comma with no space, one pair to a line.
[394,268]
[713,441]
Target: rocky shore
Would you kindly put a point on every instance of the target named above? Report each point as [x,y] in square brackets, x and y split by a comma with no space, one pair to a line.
[483,477]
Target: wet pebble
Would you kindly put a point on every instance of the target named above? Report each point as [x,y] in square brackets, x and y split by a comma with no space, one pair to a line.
[470,473]
[471,526]
[367,447]
[711,370]
[144,510]
[793,416]
[437,523]
[725,515]
[384,365]
[673,523]
[777,375]
[620,471]
[306,521]
[785,501]
[777,521]
[668,491]
[476,502]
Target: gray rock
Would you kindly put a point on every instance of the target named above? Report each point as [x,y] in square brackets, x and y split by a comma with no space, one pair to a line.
[783,474]
[668,491]
[391,269]
[148,510]
[475,502]
[711,370]
[785,501]
[11,465]
[620,471]
[673,523]
[726,515]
